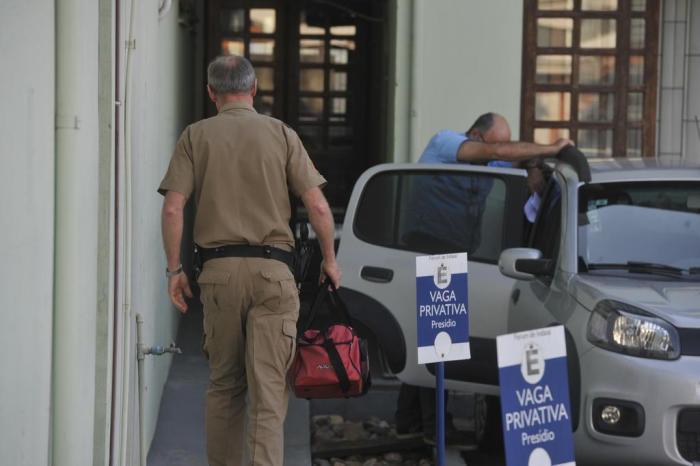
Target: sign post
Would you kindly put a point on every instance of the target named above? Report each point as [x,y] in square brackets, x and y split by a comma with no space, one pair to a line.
[442,322]
[440,411]
[535,404]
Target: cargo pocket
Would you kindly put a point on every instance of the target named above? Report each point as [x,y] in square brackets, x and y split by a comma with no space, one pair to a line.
[211,284]
[278,287]
[289,329]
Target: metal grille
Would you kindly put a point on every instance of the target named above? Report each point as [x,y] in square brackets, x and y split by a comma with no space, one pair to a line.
[690,341]
[688,435]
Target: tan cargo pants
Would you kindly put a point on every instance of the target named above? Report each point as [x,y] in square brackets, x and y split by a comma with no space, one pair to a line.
[251,307]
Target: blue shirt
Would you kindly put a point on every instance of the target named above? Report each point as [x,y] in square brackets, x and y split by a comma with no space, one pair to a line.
[449,208]
[443,148]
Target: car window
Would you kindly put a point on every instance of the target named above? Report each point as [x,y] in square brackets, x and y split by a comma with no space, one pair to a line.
[651,221]
[435,213]
[545,234]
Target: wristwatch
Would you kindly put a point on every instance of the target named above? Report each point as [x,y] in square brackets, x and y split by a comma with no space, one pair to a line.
[170,274]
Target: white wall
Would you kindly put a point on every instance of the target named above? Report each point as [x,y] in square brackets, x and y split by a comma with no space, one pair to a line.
[679,94]
[161,106]
[163,97]
[455,60]
[691,149]
[26,229]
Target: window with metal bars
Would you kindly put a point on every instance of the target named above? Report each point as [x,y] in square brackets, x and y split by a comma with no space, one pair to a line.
[590,74]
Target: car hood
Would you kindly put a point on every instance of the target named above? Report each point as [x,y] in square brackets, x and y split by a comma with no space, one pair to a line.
[677,302]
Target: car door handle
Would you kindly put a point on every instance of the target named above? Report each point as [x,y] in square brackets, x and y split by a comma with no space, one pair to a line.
[377,274]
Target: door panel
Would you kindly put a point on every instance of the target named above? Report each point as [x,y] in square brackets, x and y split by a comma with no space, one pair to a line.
[541,299]
[326,104]
[315,69]
[398,212]
[256,30]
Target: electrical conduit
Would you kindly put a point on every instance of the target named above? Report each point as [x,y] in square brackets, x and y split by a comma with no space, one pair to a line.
[127,244]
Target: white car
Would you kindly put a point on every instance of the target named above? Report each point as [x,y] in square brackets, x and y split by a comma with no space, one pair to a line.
[614,256]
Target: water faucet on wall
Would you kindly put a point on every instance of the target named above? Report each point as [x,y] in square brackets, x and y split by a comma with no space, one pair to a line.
[141,352]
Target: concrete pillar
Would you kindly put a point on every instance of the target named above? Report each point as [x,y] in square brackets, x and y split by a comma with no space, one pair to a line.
[77,192]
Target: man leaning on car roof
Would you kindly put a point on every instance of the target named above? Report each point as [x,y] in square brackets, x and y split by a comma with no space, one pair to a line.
[486,142]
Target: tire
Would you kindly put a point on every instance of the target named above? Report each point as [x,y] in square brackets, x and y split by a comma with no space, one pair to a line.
[487,423]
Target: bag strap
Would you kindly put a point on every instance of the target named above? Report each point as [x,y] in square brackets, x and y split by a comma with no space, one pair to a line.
[327,290]
[320,296]
[338,303]
[337,364]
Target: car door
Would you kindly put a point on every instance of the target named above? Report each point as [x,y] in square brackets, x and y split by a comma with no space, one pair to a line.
[400,211]
[544,300]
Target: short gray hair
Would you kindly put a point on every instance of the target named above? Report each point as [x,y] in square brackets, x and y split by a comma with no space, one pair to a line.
[230,74]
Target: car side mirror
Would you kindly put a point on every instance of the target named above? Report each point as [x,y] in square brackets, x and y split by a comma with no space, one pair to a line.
[524,264]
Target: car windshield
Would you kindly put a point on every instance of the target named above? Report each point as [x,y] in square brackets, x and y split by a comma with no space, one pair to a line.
[645,227]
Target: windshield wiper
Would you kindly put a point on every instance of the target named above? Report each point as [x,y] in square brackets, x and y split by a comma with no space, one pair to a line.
[642,267]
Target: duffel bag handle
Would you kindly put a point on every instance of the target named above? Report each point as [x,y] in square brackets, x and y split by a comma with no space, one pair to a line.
[326,290]
[338,302]
[320,296]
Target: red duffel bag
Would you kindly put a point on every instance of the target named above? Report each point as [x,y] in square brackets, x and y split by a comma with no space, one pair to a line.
[331,359]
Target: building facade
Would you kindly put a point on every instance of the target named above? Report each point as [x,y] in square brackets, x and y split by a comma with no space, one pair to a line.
[96,93]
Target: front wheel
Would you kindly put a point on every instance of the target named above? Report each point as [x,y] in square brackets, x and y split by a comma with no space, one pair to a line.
[487,423]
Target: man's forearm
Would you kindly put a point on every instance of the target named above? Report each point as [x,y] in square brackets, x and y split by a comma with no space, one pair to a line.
[321,220]
[516,151]
[172,225]
[475,151]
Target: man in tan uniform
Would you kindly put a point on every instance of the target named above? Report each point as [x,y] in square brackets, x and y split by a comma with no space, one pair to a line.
[240,166]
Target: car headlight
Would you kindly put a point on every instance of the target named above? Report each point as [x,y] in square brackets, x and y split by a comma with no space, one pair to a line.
[626,329]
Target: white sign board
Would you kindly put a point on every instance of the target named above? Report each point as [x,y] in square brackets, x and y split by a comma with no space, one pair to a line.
[534,386]
[442,308]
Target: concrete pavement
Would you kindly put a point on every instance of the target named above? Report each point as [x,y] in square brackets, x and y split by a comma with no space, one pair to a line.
[179,437]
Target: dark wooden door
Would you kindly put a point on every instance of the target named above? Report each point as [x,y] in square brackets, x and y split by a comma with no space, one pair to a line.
[313,61]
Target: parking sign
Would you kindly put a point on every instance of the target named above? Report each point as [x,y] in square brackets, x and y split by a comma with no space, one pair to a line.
[442,308]
[535,398]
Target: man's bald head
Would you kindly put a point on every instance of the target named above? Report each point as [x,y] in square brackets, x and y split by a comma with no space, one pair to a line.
[490,127]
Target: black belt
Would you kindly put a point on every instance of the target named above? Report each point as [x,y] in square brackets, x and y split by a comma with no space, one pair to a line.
[246,250]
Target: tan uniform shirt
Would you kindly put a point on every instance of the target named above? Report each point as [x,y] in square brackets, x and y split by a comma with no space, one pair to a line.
[240,166]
